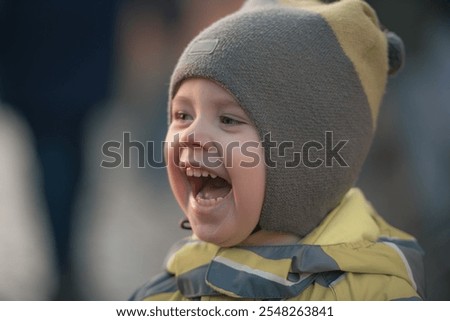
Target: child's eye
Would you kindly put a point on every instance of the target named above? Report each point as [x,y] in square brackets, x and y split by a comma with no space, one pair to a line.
[181,115]
[229,121]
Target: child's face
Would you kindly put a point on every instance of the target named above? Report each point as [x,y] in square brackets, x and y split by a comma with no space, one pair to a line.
[215,163]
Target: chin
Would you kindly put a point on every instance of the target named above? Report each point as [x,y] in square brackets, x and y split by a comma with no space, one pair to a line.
[218,239]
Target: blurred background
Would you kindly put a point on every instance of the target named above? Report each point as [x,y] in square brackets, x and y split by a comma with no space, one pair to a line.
[75,74]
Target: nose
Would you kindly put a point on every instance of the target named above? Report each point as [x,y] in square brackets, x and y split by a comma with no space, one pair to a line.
[197,143]
[198,135]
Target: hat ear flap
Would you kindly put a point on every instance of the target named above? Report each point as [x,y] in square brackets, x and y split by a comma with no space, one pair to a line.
[396,52]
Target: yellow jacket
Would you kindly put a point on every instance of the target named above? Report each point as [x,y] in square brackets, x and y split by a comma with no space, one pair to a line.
[352,255]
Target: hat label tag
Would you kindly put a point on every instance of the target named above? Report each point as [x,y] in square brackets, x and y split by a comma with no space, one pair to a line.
[203,47]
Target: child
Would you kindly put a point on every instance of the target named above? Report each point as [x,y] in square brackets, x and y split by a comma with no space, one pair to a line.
[272,112]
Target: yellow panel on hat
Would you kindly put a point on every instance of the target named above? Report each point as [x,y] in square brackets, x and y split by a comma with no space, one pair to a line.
[356,27]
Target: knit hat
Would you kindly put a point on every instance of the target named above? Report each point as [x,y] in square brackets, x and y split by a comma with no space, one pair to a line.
[311,75]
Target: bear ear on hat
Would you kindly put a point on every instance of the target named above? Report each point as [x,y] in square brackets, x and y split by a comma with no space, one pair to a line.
[396,52]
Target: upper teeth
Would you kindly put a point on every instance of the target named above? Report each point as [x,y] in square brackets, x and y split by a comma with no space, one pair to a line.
[197,172]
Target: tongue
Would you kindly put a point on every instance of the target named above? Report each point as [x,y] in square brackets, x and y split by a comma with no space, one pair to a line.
[215,188]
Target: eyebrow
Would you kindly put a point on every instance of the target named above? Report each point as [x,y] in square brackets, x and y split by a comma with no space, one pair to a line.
[181,98]
[220,102]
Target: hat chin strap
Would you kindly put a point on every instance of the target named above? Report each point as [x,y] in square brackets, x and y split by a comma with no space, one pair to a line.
[185,224]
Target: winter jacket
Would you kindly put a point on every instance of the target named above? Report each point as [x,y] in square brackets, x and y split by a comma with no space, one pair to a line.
[352,255]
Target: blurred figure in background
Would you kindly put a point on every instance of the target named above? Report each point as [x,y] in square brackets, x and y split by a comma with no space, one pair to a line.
[122,209]
[55,66]
[408,171]
[27,263]
[128,218]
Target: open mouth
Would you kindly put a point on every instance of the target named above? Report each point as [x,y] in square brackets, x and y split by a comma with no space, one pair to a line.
[207,187]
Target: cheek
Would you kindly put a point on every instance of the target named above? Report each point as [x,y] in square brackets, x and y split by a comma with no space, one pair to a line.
[255,193]
[169,145]
[250,185]
[172,148]
[171,156]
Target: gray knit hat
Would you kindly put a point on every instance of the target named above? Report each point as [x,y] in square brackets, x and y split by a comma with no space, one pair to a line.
[311,75]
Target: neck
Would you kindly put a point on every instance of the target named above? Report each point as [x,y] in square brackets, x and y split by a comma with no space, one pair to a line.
[263,237]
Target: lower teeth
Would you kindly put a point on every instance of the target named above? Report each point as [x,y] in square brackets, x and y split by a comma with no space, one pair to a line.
[208,201]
